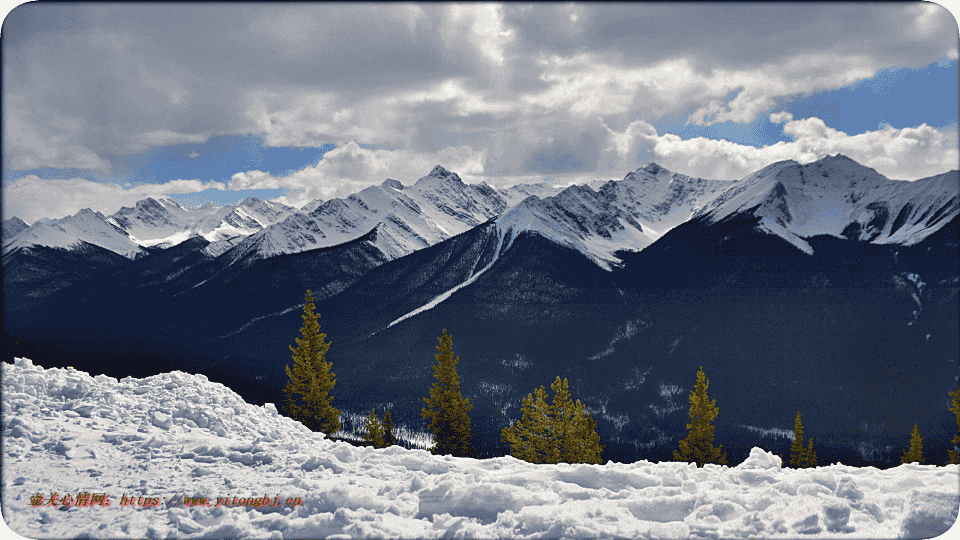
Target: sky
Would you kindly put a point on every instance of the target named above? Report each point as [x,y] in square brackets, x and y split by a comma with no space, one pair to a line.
[264,475]
[106,104]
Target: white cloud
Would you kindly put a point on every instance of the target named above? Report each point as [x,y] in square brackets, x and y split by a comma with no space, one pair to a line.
[168,138]
[586,85]
[759,88]
[903,154]
[482,25]
[31,197]
[350,168]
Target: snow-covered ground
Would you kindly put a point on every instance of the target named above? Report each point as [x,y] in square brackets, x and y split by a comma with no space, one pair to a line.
[159,440]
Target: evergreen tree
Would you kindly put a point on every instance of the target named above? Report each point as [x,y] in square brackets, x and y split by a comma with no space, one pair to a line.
[809,457]
[798,456]
[307,396]
[446,407]
[374,434]
[530,438]
[559,432]
[388,437]
[915,453]
[698,446]
[954,455]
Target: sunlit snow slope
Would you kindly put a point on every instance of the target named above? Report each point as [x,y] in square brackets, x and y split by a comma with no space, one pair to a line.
[435,208]
[199,462]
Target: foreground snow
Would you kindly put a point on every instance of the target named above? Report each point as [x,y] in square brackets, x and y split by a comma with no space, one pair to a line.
[177,434]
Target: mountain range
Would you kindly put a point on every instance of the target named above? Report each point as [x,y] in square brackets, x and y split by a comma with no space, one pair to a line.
[824,287]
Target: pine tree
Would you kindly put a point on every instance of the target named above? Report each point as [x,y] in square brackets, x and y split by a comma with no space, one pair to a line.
[530,438]
[389,439]
[562,431]
[798,456]
[915,453]
[809,457]
[374,434]
[446,407]
[698,446]
[307,396]
[954,455]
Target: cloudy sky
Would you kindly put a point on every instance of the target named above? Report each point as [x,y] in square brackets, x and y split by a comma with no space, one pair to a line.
[106,104]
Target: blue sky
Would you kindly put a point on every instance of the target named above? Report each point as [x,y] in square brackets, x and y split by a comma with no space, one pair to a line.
[106,104]
[899,97]
[218,159]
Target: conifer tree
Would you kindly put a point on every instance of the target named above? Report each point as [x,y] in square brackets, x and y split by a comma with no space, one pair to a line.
[446,407]
[915,452]
[559,432]
[374,434]
[389,439]
[698,445]
[809,457]
[798,457]
[530,438]
[307,396]
[954,453]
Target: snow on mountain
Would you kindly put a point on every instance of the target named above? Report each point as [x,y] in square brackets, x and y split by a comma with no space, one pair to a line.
[175,455]
[519,192]
[84,226]
[839,197]
[311,206]
[165,223]
[435,208]
[12,227]
[628,214]
[580,218]
[660,199]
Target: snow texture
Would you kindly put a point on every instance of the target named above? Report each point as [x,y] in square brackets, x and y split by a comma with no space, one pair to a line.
[69,232]
[166,440]
[437,207]
[839,197]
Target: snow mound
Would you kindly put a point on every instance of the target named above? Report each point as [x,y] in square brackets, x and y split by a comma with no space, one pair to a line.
[760,459]
[175,455]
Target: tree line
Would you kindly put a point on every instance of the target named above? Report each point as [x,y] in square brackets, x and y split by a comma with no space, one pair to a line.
[561,431]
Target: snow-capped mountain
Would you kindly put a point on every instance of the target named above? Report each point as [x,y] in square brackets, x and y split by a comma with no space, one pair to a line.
[435,208]
[660,199]
[159,223]
[536,290]
[619,215]
[580,218]
[519,192]
[11,227]
[72,231]
[837,196]
[312,205]
[164,223]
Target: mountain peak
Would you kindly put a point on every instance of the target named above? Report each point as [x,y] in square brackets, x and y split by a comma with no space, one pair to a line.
[395,184]
[440,173]
[837,158]
[653,168]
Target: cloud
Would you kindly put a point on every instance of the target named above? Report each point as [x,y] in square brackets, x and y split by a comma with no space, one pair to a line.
[351,168]
[903,154]
[169,138]
[519,84]
[31,197]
